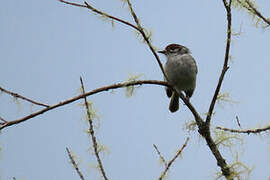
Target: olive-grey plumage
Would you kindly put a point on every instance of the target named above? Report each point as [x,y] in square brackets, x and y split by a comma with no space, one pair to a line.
[181,70]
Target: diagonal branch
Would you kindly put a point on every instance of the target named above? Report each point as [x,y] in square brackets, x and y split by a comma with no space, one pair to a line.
[75,165]
[92,133]
[163,174]
[15,95]
[254,10]
[225,64]
[95,91]
[147,40]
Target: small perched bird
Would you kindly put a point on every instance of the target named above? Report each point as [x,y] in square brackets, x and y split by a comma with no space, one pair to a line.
[181,71]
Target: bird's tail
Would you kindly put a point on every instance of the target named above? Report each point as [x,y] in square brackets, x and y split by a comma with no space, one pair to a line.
[174,104]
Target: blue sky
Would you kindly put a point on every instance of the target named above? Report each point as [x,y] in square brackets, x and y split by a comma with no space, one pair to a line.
[46,46]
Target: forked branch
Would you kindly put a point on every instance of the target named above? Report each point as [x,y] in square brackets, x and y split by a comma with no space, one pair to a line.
[168,165]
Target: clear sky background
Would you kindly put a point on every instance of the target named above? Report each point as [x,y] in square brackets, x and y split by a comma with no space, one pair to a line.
[46,46]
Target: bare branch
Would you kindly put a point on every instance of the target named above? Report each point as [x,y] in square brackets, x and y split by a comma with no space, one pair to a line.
[75,165]
[247,131]
[15,95]
[95,91]
[160,155]
[92,133]
[226,59]
[173,159]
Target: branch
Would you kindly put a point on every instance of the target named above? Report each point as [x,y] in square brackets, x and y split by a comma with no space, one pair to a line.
[204,129]
[3,121]
[100,13]
[109,16]
[92,133]
[247,131]
[15,95]
[186,101]
[173,159]
[225,64]
[95,91]
[147,40]
[254,10]
[140,29]
[160,155]
[75,165]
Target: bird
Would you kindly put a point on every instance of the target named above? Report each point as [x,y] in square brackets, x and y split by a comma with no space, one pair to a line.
[181,71]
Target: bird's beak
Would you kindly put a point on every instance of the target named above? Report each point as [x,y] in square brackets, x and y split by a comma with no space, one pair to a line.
[162,52]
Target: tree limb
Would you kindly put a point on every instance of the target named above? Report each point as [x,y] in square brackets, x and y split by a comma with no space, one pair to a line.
[226,59]
[95,91]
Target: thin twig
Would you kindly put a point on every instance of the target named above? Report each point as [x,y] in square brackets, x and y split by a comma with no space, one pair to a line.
[238,121]
[15,95]
[95,91]
[225,64]
[75,165]
[160,155]
[173,159]
[247,131]
[92,133]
